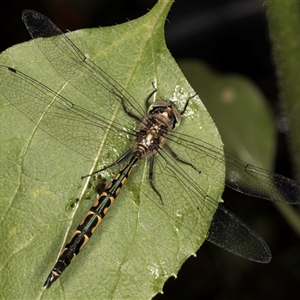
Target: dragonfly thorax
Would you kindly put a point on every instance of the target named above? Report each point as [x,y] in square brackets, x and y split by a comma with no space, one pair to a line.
[162,118]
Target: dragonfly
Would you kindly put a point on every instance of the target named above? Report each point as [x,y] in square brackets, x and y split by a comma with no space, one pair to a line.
[154,138]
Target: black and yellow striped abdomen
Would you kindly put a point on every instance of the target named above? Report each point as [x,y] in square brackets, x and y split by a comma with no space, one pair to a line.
[91,221]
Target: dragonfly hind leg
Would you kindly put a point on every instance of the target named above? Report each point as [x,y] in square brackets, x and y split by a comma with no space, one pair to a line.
[176,157]
[116,162]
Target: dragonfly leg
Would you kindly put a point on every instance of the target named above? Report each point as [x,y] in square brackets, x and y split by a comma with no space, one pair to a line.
[150,96]
[187,103]
[116,162]
[128,112]
[151,166]
[175,156]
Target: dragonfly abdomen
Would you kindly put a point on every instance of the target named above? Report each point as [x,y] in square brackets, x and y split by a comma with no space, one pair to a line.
[91,221]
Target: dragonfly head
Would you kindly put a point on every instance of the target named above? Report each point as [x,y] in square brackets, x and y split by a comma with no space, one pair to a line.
[168,109]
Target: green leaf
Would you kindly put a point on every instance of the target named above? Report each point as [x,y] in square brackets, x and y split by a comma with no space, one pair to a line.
[140,243]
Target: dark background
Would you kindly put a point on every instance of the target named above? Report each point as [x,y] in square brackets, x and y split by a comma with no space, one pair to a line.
[231,36]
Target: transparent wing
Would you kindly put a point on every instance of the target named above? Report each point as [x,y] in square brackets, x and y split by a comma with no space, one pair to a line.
[89,79]
[194,208]
[77,128]
[230,233]
[186,170]
[240,176]
[257,182]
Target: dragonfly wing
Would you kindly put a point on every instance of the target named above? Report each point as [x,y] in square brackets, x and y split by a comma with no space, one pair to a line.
[194,206]
[240,176]
[75,67]
[187,197]
[73,126]
[257,182]
[230,233]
